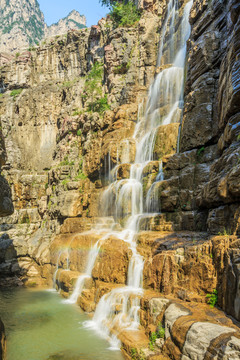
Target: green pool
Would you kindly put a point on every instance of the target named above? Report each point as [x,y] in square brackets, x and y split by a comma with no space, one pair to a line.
[39,326]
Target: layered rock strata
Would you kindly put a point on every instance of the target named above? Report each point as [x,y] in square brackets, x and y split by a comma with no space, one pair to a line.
[58,175]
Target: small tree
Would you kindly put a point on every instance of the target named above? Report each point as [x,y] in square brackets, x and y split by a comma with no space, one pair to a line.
[111,3]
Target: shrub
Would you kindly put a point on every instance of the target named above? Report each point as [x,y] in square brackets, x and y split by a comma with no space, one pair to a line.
[77,112]
[99,105]
[212,298]
[80,176]
[160,331]
[121,69]
[124,14]
[16,92]
[93,90]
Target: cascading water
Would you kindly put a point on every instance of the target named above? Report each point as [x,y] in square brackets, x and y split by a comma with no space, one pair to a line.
[124,198]
[119,308]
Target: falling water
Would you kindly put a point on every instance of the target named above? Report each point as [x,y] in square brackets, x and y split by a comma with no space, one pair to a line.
[123,199]
[56,271]
[152,199]
[92,256]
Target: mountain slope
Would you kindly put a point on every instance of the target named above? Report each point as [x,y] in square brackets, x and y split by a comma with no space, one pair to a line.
[22,24]
[73,21]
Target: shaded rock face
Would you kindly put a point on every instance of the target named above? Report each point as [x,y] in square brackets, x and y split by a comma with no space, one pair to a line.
[207,165]
[6,206]
[2,341]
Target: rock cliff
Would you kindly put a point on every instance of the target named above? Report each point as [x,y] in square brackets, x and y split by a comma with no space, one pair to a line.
[23,25]
[68,113]
[73,21]
[6,208]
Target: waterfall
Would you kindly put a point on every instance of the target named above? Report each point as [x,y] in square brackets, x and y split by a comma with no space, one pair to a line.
[124,199]
[92,256]
[56,271]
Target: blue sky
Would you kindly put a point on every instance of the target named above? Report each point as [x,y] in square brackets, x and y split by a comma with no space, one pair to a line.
[54,10]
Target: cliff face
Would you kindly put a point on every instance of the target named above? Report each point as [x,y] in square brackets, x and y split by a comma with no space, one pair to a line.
[6,206]
[68,113]
[73,21]
[23,25]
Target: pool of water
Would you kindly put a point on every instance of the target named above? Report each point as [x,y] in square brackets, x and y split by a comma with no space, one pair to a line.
[39,326]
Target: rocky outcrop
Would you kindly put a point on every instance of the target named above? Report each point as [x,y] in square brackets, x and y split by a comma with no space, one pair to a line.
[191,331]
[23,25]
[73,21]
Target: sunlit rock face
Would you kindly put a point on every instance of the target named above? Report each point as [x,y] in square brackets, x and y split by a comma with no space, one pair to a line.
[16,16]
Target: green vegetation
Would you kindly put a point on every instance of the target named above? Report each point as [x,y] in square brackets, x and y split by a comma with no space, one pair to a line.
[25,220]
[212,298]
[93,91]
[80,175]
[77,24]
[65,182]
[17,54]
[68,84]
[108,3]
[160,333]
[16,92]
[79,132]
[100,105]
[225,232]
[66,162]
[124,14]
[136,354]
[133,353]
[200,151]
[122,69]
[238,137]
[77,112]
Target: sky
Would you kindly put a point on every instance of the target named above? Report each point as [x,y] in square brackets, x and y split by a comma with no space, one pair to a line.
[54,10]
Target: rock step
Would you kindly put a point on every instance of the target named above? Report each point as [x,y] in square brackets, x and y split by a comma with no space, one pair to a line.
[154,222]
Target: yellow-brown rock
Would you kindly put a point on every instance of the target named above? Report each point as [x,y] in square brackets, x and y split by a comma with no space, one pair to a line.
[112,263]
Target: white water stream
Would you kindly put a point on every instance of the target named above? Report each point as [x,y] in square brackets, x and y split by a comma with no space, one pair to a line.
[123,199]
